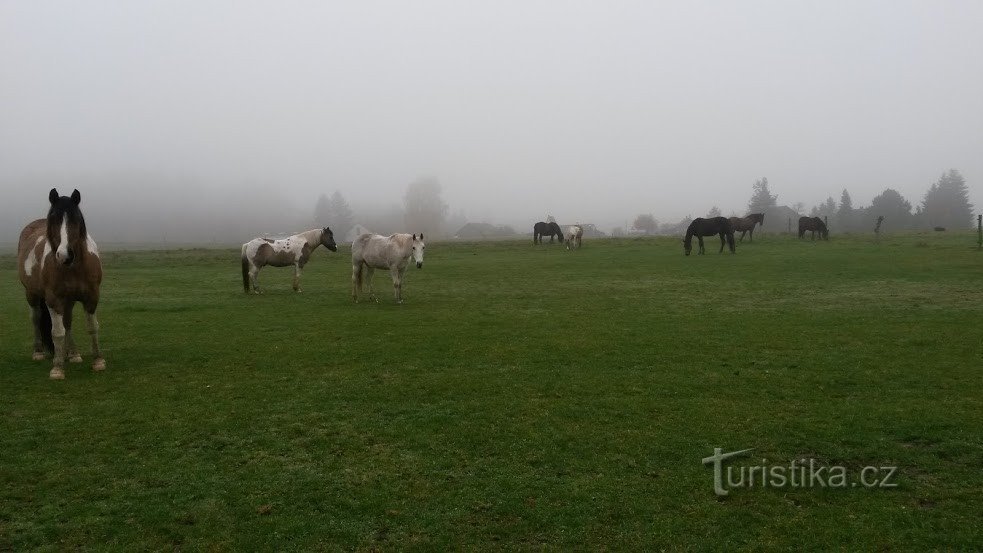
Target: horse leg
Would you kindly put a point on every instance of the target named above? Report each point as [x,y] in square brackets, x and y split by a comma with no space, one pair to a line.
[38,354]
[722,240]
[71,350]
[750,236]
[702,249]
[58,337]
[297,277]
[356,280]
[98,362]
[397,284]
[369,271]
[254,277]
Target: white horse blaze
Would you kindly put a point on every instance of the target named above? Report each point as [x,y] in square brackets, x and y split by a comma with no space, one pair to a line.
[62,253]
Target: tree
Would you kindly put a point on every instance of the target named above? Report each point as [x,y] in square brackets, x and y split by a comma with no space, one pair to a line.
[946,203]
[322,211]
[340,216]
[646,222]
[424,209]
[893,207]
[761,198]
[825,209]
[714,212]
[846,215]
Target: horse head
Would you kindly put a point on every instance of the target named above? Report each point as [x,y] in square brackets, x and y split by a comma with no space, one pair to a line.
[418,247]
[688,244]
[66,226]
[327,239]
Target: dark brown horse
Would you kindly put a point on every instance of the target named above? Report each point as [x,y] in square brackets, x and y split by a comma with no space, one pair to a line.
[541,229]
[745,225]
[814,224]
[58,264]
[701,227]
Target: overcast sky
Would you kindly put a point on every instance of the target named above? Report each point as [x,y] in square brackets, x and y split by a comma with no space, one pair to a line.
[590,111]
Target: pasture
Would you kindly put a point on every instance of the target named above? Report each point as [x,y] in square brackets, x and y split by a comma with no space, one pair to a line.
[522,397]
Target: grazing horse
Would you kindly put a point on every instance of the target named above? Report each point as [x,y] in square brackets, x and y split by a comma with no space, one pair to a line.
[58,264]
[701,227]
[814,224]
[745,225]
[541,229]
[575,236]
[372,251]
[294,250]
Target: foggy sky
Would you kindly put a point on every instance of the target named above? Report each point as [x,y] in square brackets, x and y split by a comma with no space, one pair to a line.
[590,111]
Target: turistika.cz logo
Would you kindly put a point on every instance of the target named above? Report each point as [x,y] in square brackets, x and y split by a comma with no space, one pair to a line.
[800,473]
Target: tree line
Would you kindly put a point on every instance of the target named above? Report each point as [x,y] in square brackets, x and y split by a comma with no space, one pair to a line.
[944,205]
[423,210]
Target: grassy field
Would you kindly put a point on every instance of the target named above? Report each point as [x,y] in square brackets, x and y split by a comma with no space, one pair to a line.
[522,397]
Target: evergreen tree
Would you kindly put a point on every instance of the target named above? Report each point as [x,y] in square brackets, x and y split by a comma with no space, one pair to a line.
[846,215]
[761,198]
[947,204]
[714,212]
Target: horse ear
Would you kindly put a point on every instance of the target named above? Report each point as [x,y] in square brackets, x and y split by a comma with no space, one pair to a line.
[76,197]
[414,236]
[421,236]
[53,195]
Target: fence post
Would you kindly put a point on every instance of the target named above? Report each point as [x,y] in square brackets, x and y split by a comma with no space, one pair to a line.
[979,232]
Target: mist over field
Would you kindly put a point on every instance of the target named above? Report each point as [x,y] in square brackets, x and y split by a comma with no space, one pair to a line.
[185,122]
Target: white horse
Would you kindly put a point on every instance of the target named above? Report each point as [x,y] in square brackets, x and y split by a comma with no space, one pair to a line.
[294,250]
[372,251]
[575,236]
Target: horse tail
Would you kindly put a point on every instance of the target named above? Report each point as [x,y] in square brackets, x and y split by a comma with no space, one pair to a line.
[245,270]
[45,324]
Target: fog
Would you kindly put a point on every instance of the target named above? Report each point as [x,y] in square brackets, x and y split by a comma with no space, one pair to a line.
[207,121]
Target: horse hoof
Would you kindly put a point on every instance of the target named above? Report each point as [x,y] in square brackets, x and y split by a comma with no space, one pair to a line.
[77,358]
[37,356]
[99,364]
[57,374]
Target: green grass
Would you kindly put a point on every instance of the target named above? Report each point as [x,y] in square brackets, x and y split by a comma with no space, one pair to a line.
[522,397]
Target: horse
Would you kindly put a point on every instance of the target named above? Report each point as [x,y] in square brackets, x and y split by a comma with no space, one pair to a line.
[814,224]
[58,264]
[294,250]
[575,236]
[701,227]
[372,251]
[541,229]
[745,225]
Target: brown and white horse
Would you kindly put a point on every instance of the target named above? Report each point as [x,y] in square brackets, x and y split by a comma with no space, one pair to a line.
[575,236]
[58,264]
[372,251]
[294,250]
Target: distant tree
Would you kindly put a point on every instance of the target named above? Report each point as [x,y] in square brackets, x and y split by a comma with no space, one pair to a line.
[845,215]
[424,209]
[891,205]
[646,222]
[761,197]
[946,203]
[617,231]
[322,210]
[714,212]
[825,209]
[798,207]
[340,217]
